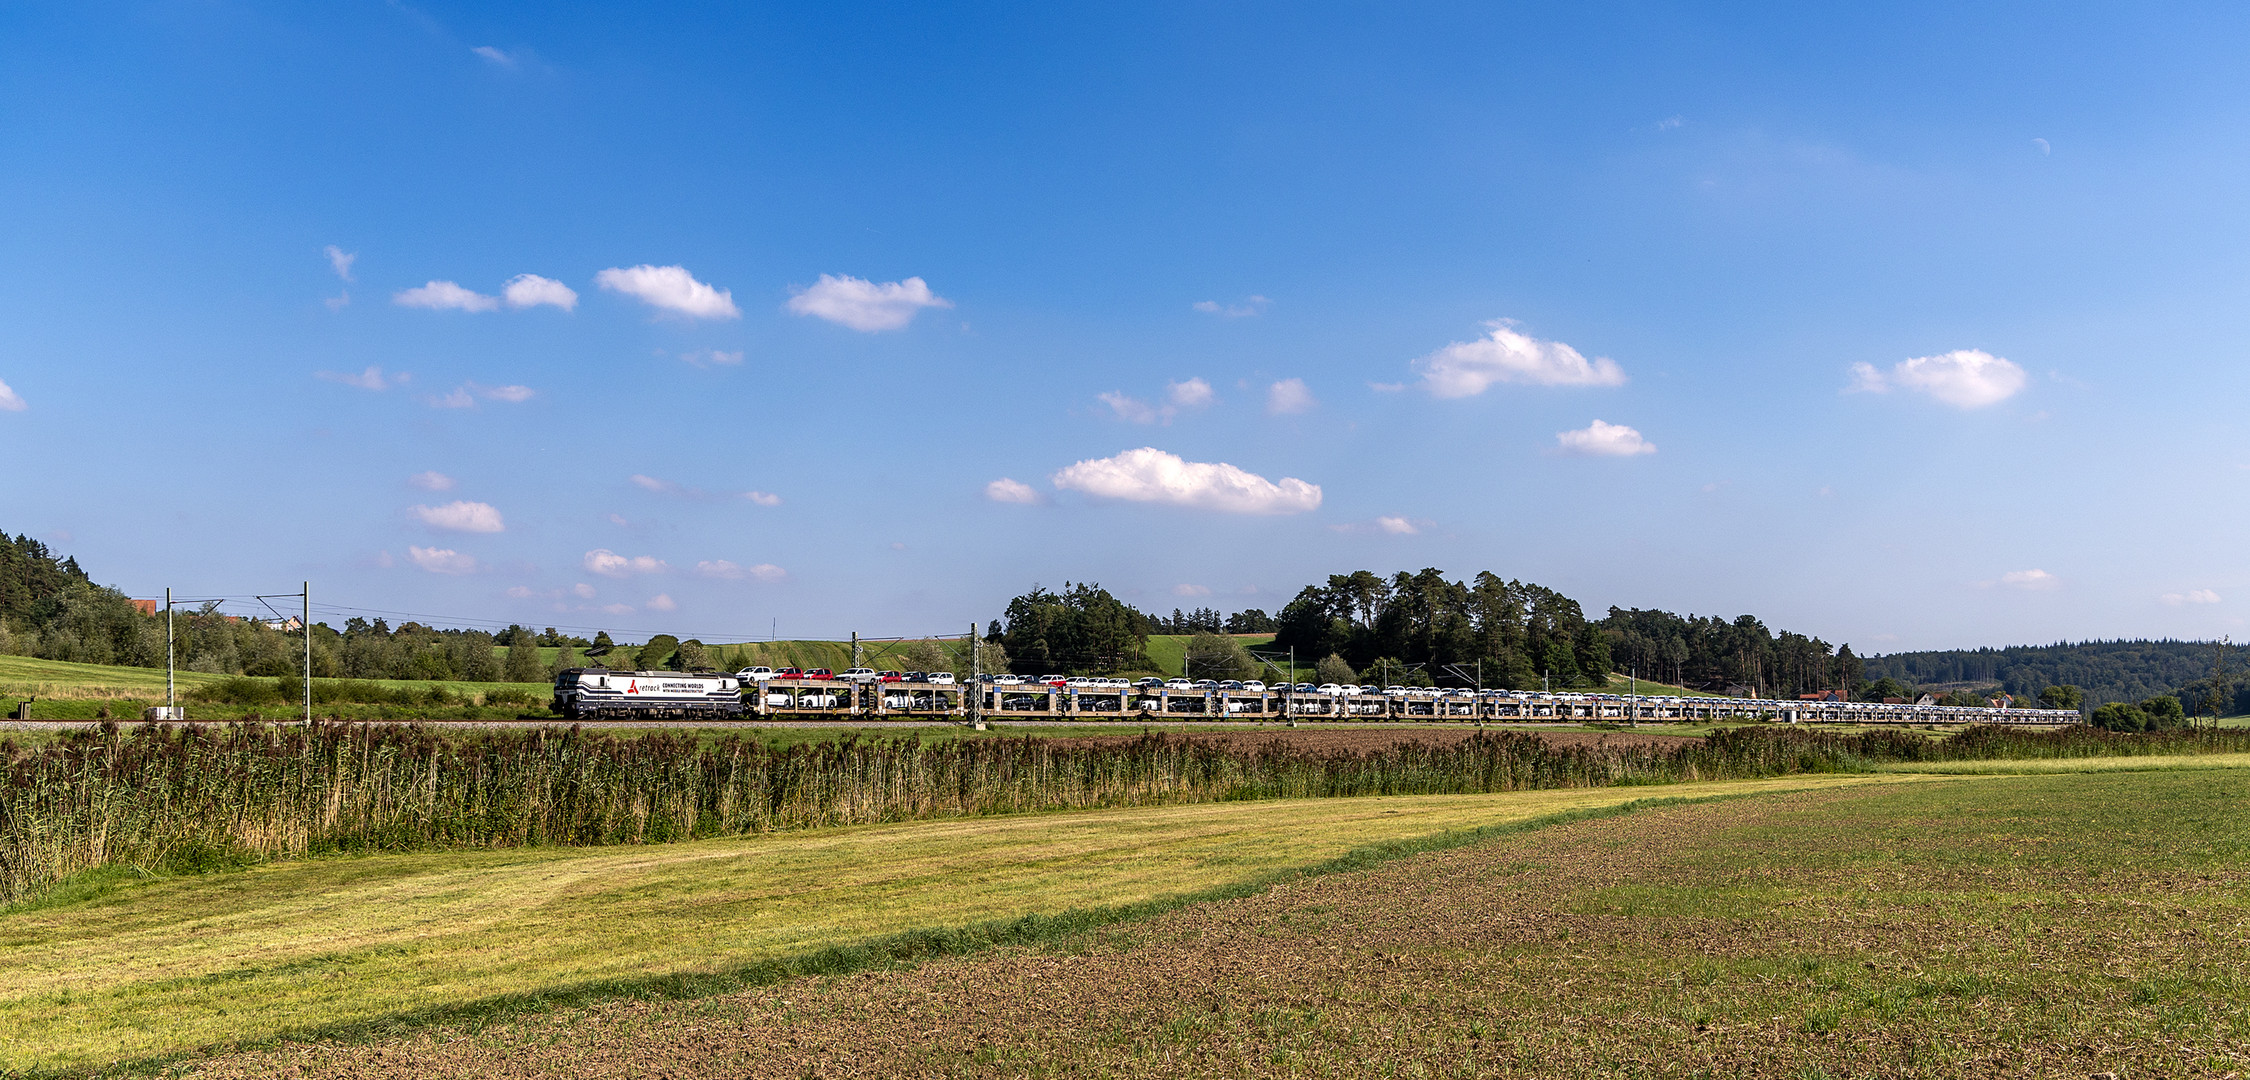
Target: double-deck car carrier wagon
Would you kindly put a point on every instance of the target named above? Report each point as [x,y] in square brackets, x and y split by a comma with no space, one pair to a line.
[601,694]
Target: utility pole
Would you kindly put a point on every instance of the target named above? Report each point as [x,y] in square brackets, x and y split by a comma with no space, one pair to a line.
[974,700]
[855,648]
[1633,692]
[171,698]
[1289,693]
[305,623]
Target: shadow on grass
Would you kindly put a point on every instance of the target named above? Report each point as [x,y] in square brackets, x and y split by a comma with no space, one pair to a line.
[889,952]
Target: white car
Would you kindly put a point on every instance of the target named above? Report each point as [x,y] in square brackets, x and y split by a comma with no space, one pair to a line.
[1331,689]
[858,674]
[1007,680]
[754,674]
[940,678]
[1178,684]
[1080,682]
[1253,684]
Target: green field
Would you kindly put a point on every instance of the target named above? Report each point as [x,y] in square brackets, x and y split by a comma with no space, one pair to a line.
[127,968]
[2081,923]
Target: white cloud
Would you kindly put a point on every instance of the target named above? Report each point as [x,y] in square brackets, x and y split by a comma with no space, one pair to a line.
[707,358]
[1604,440]
[1468,368]
[762,498]
[1289,397]
[383,559]
[510,394]
[583,591]
[661,602]
[768,572]
[1670,123]
[865,305]
[1151,475]
[2192,596]
[10,401]
[1191,590]
[431,481]
[444,295]
[524,592]
[371,379]
[1255,305]
[462,516]
[1396,526]
[531,290]
[441,560]
[1963,378]
[496,56]
[2030,579]
[608,563]
[617,609]
[650,483]
[619,519]
[1130,409]
[671,288]
[459,398]
[1005,490]
[1192,394]
[340,301]
[340,261]
[465,395]
[719,568]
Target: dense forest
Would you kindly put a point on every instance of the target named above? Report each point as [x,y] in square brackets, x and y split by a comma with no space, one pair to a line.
[1417,628]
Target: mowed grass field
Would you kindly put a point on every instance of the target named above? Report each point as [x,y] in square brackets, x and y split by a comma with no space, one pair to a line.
[2082,923]
[125,969]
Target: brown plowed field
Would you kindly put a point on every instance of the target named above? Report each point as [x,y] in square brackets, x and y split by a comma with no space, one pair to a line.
[1359,740]
[1751,938]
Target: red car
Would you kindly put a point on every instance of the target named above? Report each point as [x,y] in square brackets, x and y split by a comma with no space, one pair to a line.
[890,676]
[788,673]
[820,673]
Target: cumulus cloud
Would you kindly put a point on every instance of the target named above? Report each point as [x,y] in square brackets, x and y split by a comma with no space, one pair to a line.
[1151,475]
[462,516]
[1191,590]
[1468,368]
[1192,394]
[441,560]
[661,602]
[340,261]
[431,481]
[583,591]
[531,290]
[371,379]
[1396,526]
[617,609]
[608,563]
[10,401]
[2192,596]
[1255,305]
[458,398]
[443,296]
[767,572]
[1604,440]
[1005,490]
[1963,378]
[762,498]
[1289,397]
[2030,580]
[719,568]
[708,358]
[864,305]
[670,288]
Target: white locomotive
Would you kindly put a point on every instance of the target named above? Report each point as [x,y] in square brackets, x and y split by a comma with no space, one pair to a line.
[599,693]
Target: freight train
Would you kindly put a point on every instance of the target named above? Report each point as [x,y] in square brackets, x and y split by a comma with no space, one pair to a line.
[602,694]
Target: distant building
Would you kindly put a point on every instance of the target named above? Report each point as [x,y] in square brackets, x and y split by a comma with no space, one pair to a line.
[287,625]
[1825,695]
[145,607]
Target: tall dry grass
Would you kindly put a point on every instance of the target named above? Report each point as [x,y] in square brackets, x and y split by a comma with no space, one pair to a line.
[193,797]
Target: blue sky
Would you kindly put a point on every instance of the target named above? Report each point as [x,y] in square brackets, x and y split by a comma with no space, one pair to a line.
[1908,326]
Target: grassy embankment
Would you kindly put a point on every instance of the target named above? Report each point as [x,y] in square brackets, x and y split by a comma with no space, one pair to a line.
[68,691]
[2075,924]
[123,968]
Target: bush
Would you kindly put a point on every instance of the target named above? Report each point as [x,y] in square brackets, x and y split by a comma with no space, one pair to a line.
[239,690]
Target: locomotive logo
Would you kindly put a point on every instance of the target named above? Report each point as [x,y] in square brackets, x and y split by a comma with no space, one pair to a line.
[633,687]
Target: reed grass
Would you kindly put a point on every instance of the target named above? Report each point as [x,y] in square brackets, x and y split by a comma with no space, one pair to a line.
[192,797]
